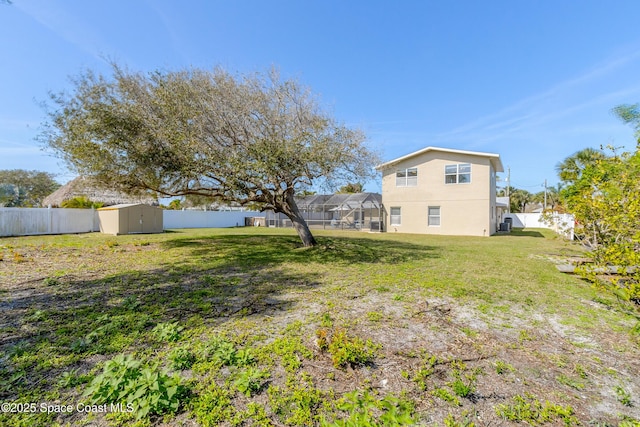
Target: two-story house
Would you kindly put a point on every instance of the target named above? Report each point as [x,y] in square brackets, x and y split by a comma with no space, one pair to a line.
[441,191]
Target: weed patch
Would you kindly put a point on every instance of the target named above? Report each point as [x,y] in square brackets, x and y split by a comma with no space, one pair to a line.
[346,350]
[147,390]
[531,410]
[365,409]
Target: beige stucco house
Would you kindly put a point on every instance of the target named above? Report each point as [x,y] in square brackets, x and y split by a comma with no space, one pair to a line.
[441,191]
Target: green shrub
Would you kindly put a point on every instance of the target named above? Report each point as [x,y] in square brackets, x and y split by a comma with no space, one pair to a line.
[251,380]
[464,380]
[149,391]
[366,410]
[298,401]
[425,371]
[290,349]
[450,421]
[374,316]
[502,367]
[212,406]
[72,378]
[623,395]
[326,321]
[346,350]
[528,409]
[51,281]
[224,353]
[167,332]
[447,396]
[571,382]
[181,358]
[81,202]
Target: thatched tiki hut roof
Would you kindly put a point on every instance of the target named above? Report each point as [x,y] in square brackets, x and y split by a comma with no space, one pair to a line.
[85,187]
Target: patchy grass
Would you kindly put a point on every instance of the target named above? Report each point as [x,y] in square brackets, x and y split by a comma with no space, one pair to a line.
[246,327]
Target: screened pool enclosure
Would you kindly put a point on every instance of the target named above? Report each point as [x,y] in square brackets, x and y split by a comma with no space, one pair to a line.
[359,211]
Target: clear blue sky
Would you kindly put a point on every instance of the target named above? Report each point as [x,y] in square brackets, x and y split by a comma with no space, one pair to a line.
[533,81]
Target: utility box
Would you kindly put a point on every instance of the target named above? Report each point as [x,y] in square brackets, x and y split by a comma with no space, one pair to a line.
[130,219]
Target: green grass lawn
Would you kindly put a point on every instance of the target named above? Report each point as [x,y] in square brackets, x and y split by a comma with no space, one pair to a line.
[243,326]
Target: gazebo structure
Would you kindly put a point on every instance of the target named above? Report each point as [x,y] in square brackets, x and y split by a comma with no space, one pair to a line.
[85,187]
[358,211]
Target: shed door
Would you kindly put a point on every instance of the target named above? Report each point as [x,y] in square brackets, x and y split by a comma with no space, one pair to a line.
[135,220]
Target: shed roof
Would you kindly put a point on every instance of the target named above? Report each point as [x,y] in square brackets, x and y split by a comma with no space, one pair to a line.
[121,206]
[494,158]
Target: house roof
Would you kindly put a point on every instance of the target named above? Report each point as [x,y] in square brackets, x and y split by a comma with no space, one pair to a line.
[494,158]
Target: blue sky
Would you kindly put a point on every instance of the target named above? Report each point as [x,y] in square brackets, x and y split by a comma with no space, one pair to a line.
[533,81]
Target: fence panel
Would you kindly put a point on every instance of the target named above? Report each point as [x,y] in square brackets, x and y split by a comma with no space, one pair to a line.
[207,219]
[560,223]
[33,221]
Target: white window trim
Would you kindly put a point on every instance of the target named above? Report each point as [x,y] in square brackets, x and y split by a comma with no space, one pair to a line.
[398,217]
[457,174]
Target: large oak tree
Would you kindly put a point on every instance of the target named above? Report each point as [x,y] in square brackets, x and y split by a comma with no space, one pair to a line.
[248,139]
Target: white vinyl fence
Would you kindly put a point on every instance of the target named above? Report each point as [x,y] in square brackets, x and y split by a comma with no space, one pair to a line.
[206,219]
[560,223]
[34,221]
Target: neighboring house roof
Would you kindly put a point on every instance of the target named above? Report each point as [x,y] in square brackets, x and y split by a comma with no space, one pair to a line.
[85,187]
[494,158]
[502,202]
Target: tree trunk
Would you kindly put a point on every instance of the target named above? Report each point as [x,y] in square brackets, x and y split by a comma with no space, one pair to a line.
[299,224]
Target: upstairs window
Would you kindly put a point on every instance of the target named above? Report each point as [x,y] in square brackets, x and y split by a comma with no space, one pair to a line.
[407,177]
[457,174]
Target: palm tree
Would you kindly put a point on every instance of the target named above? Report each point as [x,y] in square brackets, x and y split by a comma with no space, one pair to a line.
[518,199]
[552,197]
[570,169]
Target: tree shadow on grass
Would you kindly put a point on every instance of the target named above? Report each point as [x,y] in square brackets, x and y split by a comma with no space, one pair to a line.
[520,232]
[269,250]
[49,328]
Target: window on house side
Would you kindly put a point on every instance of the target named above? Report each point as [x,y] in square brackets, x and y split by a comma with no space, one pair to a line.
[434,216]
[395,216]
[407,177]
[457,174]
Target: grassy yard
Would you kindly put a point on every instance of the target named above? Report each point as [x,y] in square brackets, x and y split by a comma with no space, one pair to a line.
[244,327]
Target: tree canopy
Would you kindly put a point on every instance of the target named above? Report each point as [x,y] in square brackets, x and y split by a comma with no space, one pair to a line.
[246,139]
[518,199]
[22,188]
[81,202]
[605,200]
[630,114]
[570,169]
[351,188]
